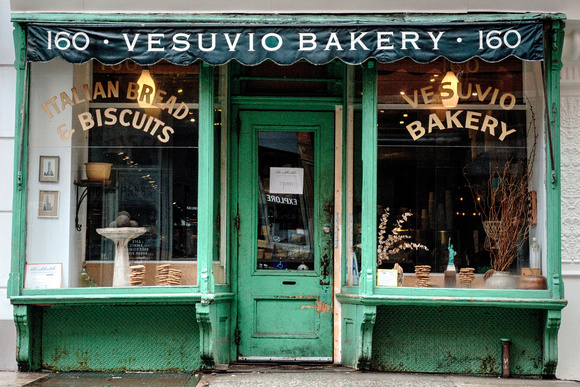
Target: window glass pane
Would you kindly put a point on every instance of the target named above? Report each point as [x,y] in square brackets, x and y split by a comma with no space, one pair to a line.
[127,184]
[354,176]
[300,79]
[452,175]
[221,173]
[285,221]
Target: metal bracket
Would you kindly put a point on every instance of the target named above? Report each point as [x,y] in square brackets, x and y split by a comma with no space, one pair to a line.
[86,184]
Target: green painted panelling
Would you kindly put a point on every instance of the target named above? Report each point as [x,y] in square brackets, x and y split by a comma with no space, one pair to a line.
[460,340]
[120,338]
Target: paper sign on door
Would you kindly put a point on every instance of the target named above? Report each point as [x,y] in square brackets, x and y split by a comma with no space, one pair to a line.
[286,180]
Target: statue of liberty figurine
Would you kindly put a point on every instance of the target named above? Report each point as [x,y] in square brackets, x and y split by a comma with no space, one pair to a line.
[452,254]
[450,274]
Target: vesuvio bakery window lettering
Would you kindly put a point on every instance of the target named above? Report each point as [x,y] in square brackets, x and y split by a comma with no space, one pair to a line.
[457,170]
[449,93]
[126,188]
[110,117]
[286,44]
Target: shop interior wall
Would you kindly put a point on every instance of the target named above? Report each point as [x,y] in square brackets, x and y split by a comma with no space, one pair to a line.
[51,240]
[7,95]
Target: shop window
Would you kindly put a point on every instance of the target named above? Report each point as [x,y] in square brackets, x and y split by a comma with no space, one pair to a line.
[460,181]
[144,133]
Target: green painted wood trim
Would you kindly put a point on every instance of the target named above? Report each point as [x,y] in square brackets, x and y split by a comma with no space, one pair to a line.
[369,179]
[555,39]
[233,145]
[524,303]
[206,179]
[357,333]
[16,278]
[269,19]
[28,322]
[121,299]
[116,300]
[367,316]
[23,336]
[459,292]
[347,100]
[214,333]
[161,291]
[550,342]
[203,317]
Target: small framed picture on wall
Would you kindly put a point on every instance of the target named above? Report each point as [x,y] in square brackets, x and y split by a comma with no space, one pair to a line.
[49,169]
[48,204]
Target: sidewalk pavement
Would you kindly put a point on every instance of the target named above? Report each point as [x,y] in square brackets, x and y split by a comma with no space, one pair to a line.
[267,376]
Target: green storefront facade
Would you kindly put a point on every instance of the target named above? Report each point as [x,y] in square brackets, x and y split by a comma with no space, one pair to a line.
[287,189]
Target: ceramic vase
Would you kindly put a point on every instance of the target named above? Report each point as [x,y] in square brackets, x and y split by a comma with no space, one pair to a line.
[501,280]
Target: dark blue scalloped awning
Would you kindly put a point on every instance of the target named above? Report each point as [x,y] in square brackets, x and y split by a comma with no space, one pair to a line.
[458,42]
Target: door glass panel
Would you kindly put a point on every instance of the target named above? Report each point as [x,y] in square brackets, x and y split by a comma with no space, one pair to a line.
[285,201]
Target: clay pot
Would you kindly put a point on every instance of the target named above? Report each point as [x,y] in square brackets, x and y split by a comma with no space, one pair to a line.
[533,282]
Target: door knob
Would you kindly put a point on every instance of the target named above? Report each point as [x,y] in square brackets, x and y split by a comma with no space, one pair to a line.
[326,229]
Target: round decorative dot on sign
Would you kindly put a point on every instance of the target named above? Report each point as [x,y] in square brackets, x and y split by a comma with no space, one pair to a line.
[106,41]
[272,42]
[459,40]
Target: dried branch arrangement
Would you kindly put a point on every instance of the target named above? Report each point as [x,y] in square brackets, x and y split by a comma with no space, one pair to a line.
[503,204]
[394,242]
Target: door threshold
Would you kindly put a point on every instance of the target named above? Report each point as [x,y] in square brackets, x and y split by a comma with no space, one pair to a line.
[273,367]
[284,359]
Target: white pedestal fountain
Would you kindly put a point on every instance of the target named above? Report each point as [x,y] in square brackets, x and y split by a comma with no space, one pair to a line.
[121,237]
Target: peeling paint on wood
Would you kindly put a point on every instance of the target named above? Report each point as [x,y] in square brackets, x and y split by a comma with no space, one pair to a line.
[321,307]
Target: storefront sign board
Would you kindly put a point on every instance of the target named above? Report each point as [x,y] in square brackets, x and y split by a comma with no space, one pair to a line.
[457,42]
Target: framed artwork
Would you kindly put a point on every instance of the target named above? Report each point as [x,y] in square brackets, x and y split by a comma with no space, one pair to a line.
[49,169]
[48,204]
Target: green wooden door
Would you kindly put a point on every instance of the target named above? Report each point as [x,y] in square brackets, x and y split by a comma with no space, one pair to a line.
[286,181]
